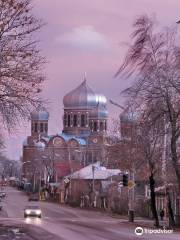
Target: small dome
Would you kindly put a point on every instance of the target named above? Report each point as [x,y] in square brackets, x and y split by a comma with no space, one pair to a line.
[40,114]
[83,97]
[40,145]
[128,116]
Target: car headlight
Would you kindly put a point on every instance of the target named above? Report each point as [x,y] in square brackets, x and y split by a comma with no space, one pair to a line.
[38,212]
[27,212]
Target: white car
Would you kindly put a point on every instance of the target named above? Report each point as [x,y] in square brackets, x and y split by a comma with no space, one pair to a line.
[32,211]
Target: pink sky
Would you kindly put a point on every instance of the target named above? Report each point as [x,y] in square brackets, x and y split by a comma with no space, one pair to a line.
[87,36]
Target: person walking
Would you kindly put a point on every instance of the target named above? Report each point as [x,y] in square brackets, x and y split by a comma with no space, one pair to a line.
[162,214]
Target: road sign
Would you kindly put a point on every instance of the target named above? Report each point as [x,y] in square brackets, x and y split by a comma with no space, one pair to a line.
[66,180]
[131,184]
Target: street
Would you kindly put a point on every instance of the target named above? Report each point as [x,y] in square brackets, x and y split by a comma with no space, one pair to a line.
[63,222]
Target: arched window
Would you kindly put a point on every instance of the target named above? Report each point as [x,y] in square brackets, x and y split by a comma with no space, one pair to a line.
[46,127]
[32,127]
[35,127]
[105,126]
[65,119]
[101,126]
[69,120]
[91,125]
[82,120]
[75,120]
[95,126]
[41,127]
[87,119]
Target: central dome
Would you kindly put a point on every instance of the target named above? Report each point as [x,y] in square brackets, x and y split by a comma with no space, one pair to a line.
[83,97]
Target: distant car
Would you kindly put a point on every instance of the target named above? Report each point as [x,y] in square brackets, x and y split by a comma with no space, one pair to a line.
[2,194]
[33,197]
[32,211]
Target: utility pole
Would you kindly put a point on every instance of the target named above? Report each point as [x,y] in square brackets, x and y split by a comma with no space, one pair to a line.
[93,169]
[131,193]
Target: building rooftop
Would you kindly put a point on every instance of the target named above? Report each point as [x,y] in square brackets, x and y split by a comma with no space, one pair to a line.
[100,173]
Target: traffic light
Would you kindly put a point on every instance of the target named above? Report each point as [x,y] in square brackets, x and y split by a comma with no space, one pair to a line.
[125,180]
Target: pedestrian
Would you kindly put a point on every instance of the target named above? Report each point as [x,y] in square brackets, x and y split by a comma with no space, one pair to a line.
[162,214]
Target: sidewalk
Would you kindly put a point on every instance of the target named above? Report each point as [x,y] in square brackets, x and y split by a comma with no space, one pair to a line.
[149,223]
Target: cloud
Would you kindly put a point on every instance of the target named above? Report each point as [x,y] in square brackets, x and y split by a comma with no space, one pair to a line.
[85,38]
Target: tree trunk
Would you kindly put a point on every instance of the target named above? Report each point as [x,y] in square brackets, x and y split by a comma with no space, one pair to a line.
[153,200]
[170,211]
[175,161]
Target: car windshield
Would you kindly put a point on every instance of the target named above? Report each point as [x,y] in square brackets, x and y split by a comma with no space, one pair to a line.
[32,207]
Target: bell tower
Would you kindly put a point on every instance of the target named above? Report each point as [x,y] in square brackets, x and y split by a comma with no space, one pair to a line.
[39,122]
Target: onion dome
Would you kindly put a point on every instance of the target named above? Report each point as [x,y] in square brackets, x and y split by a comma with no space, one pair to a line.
[128,116]
[99,112]
[40,114]
[83,97]
[40,145]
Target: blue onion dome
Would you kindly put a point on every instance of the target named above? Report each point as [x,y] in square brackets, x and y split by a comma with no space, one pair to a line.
[83,97]
[40,114]
[128,116]
[40,145]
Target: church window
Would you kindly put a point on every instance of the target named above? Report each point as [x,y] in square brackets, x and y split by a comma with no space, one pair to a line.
[105,126]
[46,127]
[69,120]
[95,126]
[91,125]
[101,126]
[32,127]
[87,119]
[65,119]
[82,120]
[41,127]
[36,127]
[75,120]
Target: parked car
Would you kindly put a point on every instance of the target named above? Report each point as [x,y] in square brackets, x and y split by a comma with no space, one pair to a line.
[32,211]
[33,197]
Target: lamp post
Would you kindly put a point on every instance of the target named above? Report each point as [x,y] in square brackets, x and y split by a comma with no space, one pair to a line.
[93,170]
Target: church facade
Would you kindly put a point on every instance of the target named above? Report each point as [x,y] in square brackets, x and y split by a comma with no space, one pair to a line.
[81,142]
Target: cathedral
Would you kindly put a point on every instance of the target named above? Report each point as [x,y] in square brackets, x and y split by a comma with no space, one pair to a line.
[81,142]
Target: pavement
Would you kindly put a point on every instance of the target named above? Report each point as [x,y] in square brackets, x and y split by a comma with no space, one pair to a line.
[67,223]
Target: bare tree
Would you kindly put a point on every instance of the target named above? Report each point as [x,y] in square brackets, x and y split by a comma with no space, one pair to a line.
[154,59]
[140,151]
[150,146]
[20,61]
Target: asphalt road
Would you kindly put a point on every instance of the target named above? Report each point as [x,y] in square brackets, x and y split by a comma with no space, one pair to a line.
[66,223]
